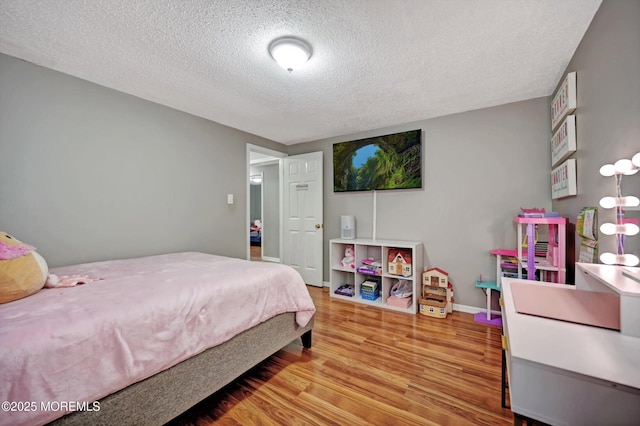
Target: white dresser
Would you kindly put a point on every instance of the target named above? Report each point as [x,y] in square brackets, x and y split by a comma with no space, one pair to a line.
[563,373]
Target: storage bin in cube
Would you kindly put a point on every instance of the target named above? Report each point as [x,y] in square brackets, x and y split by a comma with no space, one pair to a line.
[370,290]
[400,302]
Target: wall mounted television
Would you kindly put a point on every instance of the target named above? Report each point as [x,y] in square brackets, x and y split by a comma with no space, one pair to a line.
[382,162]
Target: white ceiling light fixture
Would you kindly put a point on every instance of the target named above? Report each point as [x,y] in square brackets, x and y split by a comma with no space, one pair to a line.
[290,52]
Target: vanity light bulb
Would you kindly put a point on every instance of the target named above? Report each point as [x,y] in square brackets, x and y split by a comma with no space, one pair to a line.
[636,160]
[608,258]
[607,202]
[608,170]
[608,228]
[619,259]
[631,260]
[611,202]
[625,166]
[631,229]
[631,201]
[624,229]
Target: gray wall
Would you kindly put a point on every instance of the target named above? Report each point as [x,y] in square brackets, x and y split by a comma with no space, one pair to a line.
[88,173]
[480,167]
[607,63]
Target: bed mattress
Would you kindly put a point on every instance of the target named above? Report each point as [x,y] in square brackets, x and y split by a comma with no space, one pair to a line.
[64,348]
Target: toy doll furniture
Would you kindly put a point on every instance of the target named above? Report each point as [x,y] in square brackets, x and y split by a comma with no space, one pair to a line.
[553,267]
[437,293]
[489,286]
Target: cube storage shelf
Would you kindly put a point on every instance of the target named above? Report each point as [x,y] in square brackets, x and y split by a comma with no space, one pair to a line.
[378,250]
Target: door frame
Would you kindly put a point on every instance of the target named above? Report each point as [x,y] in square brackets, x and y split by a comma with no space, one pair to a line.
[280,157]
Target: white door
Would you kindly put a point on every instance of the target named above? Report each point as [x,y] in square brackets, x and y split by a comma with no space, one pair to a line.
[303,227]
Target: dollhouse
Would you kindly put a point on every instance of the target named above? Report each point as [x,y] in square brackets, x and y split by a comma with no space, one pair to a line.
[399,262]
[435,277]
[437,293]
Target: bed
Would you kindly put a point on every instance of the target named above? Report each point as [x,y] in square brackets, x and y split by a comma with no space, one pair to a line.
[148,339]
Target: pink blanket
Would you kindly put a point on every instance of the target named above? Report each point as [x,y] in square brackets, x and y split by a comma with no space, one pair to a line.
[142,316]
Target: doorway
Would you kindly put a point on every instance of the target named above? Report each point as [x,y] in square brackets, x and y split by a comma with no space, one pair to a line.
[264,204]
[292,210]
[255,215]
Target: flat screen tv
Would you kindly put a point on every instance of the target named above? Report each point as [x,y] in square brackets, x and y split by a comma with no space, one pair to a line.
[383,162]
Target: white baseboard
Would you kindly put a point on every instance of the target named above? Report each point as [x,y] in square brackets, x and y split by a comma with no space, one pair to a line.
[271,259]
[456,307]
[471,309]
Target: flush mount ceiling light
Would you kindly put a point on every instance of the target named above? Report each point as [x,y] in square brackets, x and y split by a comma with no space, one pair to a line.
[289,52]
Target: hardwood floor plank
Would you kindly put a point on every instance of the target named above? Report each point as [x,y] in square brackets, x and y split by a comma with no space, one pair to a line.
[329,413]
[369,366]
[371,411]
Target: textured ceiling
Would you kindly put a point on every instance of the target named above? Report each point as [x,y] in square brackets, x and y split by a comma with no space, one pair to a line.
[375,63]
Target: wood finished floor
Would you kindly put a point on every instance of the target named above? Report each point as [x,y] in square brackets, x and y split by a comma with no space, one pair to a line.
[369,366]
[255,253]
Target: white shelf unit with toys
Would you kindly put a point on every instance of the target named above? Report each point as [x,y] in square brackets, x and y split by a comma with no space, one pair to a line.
[378,251]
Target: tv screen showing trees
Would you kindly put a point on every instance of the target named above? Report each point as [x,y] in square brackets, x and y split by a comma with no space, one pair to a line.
[383,162]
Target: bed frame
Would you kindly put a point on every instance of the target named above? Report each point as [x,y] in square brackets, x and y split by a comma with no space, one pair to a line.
[162,397]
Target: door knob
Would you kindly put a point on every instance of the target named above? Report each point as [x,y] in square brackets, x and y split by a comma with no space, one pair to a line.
[318,226]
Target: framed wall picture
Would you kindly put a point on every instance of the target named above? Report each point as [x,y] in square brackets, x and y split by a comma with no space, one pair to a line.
[563,141]
[563,180]
[564,101]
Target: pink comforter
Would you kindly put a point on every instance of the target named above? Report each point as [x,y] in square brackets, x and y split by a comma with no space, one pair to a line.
[144,315]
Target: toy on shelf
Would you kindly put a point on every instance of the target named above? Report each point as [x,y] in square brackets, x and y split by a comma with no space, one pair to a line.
[401,294]
[370,267]
[587,229]
[399,302]
[349,260]
[399,262]
[536,212]
[437,293]
[370,290]
[345,290]
[402,289]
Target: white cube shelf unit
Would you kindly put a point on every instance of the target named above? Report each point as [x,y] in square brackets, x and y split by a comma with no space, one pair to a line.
[378,250]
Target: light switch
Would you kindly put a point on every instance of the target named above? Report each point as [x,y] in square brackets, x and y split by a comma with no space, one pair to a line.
[229,198]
